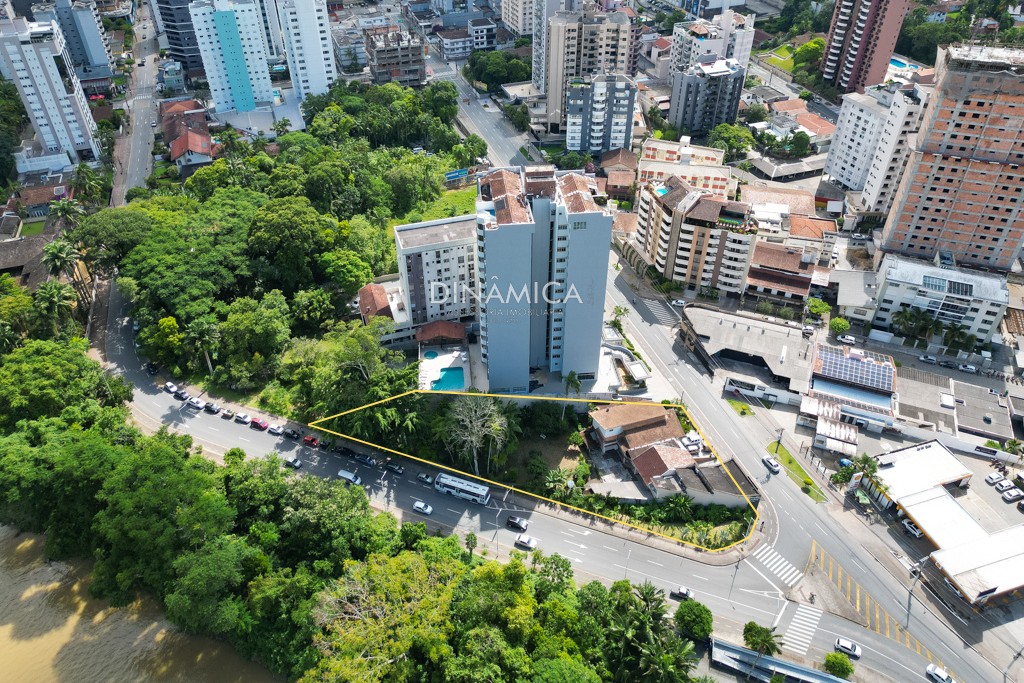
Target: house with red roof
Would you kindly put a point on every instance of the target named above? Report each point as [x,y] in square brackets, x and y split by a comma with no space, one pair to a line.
[187,135]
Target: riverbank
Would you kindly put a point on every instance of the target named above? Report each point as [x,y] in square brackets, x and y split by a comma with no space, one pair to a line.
[52,630]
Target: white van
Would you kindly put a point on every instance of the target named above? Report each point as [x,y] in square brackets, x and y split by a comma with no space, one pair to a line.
[350,477]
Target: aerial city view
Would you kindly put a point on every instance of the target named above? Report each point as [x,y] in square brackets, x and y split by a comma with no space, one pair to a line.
[526,341]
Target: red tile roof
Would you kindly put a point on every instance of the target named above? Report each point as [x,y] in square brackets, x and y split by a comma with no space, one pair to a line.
[441,331]
[373,301]
[576,193]
[796,106]
[663,43]
[191,141]
[619,157]
[621,178]
[810,226]
[815,124]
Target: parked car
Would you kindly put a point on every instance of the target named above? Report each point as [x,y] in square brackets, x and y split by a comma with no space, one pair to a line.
[681,593]
[182,395]
[1012,495]
[366,460]
[276,430]
[212,408]
[197,403]
[1020,506]
[678,302]
[349,477]
[243,418]
[808,330]
[227,414]
[291,434]
[152,124]
[1004,485]
[425,478]
[931,360]
[517,523]
[968,368]
[947,364]
[170,387]
[845,462]
[846,339]
[292,460]
[325,445]
[311,441]
[912,529]
[938,674]
[258,423]
[772,464]
[994,478]
[848,647]
[527,542]
[395,467]
[420,506]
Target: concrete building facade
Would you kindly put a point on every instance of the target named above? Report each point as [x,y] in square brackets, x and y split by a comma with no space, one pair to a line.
[395,56]
[541,293]
[307,45]
[860,42]
[954,296]
[518,16]
[86,40]
[35,58]
[176,21]
[437,268]
[727,35]
[706,94]
[694,237]
[233,45]
[962,189]
[599,114]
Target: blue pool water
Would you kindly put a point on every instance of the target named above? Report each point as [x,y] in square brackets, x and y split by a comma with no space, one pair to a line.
[900,64]
[452,379]
[430,354]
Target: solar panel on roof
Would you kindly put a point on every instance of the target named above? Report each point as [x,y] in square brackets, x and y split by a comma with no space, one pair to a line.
[873,375]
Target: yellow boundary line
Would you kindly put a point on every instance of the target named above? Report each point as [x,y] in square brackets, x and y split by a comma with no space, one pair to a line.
[316,424]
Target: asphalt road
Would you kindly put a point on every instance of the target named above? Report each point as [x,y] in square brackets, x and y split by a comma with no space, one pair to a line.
[133,156]
[800,520]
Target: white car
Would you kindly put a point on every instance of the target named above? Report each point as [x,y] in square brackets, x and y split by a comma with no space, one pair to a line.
[170,387]
[994,478]
[425,478]
[678,302]
[243,418]
[681,593]
[968,368]
[1004,485]
[938,674]
[846,339]
[196,403]
[421,507]
[912,529]
[526,541]
[276,430]
[292,460]
[931,360]
[1012,495]
[772,464]
[848,647]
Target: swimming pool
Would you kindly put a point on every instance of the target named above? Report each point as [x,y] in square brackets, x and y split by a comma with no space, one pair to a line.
[900,64]
[452,379]
[430,354]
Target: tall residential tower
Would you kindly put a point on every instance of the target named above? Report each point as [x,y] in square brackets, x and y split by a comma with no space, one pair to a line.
[860,42]
[307,43]
[233,44]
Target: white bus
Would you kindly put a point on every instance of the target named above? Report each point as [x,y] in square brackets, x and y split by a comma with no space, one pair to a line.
[460,488]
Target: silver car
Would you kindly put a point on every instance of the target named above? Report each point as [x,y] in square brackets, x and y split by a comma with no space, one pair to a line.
[848,647]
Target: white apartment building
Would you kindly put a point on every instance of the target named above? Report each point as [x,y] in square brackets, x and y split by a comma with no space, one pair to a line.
[694,237]
[543,10]
[232,42]
[35,58]
[518,16]
[270,11]
[892,150]
[956,296]
[307,45]
[579,44]
[728,35]
[437,268]
[542,249]
[701,167]
[86,40]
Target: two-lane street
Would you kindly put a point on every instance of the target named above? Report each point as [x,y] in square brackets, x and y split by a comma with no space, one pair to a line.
[133,152]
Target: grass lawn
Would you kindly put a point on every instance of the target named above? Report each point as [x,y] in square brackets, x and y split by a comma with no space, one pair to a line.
[741,408]
[450,203]
[794,469]
[786,64]
[555,451]
[33,227]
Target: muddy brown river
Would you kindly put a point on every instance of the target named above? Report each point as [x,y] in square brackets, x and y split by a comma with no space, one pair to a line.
[52,630]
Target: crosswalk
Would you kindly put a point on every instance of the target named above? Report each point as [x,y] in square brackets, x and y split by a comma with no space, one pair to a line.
[802,627]
[661,311]
[778,565]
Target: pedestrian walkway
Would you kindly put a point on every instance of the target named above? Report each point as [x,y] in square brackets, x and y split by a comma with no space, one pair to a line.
[660,310]
[777,565]
[802,628]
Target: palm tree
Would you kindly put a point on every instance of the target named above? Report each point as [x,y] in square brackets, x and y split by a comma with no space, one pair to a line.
[60,256]
[667,660]
[956,337]
[86,184]
[903,320]
[203,334]
[573,384]
[232,144]
[260,142]
[281,126]
[53,302]
[762,640]
[67,211]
